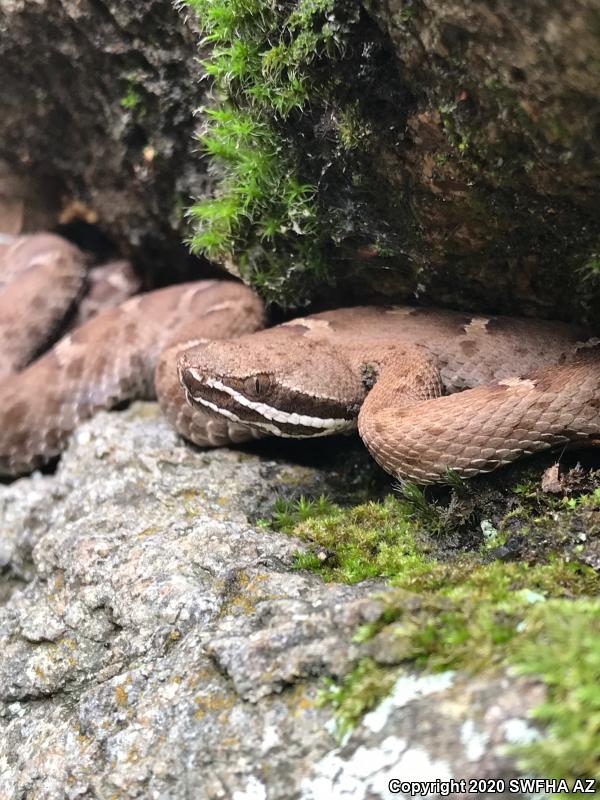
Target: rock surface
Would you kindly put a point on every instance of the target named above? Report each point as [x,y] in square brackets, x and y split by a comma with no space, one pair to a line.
[98,102]
[454,144]
[452,147]
[156,641]
[490,193]
[497,148]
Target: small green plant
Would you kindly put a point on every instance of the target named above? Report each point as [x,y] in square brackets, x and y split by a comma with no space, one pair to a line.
[590,500]
[419,507]
[457,137]
[353,131]
[289,513]
[132,99]
[589,271]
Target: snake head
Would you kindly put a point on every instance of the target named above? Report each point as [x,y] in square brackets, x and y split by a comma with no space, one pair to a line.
[274,382]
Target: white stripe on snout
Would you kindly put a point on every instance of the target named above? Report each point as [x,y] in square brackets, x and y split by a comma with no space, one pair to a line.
[326,426]
[230,415]
[275,414]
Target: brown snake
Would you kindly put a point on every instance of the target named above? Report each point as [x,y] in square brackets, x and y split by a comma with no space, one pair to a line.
[385,369]
[125,353]
[381,369]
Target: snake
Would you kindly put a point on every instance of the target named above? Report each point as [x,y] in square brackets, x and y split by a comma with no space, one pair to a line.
[121,354]
[430,391]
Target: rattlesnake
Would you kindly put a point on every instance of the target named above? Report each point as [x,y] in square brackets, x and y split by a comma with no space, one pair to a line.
[381,369]
[112,358]
[385,369]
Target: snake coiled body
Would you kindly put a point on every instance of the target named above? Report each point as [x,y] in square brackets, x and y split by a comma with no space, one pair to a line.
[428,390]
[113,358]
[514,387]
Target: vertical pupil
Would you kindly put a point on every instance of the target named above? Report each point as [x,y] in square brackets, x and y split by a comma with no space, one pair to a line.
[257,385]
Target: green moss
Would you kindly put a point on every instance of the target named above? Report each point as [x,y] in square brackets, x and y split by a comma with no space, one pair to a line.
[591,500]
[353,130]
[555,640]
[357,693]
[132,99]
[349,545]
[466,614]
[590,271]
[287,514]
[562,646]
[288,127]
[464,526]
[264,213]
[457,135]
[539,615]
[480,618]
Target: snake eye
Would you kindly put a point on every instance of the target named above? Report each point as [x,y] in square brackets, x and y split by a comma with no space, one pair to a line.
[257,385]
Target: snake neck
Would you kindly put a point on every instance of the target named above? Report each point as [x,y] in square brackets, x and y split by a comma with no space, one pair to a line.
[399,377]
[402,379]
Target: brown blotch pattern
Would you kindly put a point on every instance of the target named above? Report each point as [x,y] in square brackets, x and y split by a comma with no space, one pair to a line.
[16,414]
[75,368]
[469,347]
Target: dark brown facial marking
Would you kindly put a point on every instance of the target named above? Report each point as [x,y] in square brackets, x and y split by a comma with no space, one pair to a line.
[469,348]
[75,367]
[16,414]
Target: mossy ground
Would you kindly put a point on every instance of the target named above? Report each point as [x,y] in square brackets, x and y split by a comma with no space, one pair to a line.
[481,578]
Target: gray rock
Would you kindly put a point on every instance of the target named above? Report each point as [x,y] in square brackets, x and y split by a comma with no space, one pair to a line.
[444,727]
[156,643]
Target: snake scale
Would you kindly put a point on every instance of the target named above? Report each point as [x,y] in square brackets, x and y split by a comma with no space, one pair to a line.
[429,390]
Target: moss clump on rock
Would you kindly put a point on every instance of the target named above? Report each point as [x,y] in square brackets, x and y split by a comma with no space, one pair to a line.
[351,156]
[263,211]
[349,545]
[278,69]
[562,646]
[466,607]
[556,640]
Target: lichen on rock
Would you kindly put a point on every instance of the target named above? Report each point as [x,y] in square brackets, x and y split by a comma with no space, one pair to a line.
[157,640]
[467,600]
